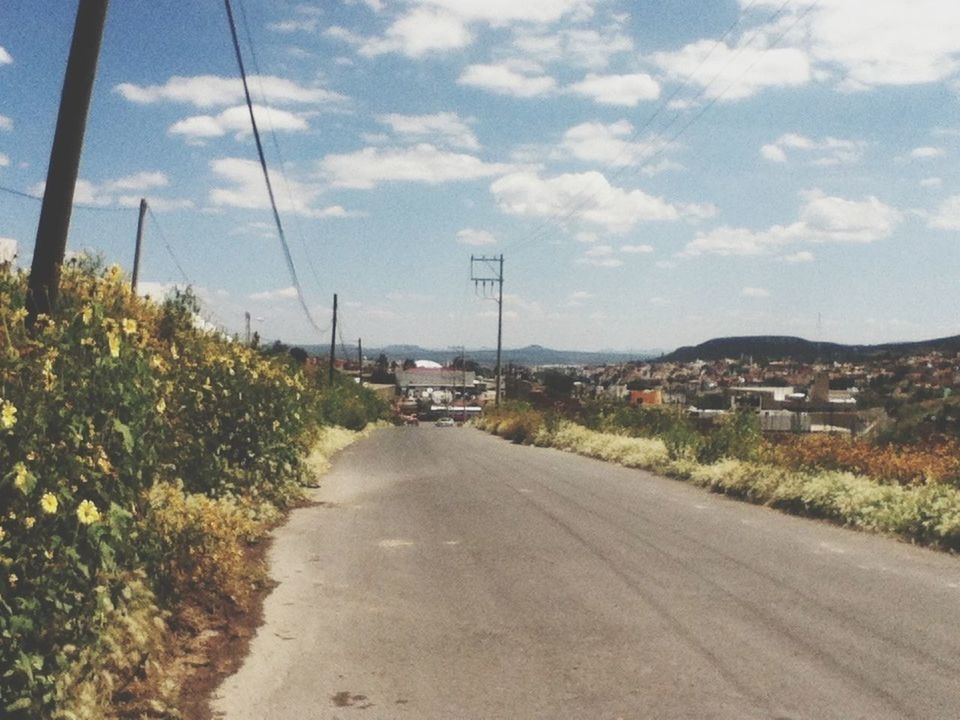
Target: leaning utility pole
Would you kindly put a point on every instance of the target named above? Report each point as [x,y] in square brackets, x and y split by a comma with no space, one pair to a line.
[491,272]
[136,251]
[51,243]
[333,337]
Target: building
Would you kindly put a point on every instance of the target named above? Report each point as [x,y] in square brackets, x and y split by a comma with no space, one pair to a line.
[424,382]
[646,397]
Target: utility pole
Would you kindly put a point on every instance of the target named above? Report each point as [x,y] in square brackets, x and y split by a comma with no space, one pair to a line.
[333,337]
[51,243]
[136,253]
[490,273]
[360,360]
[246,317]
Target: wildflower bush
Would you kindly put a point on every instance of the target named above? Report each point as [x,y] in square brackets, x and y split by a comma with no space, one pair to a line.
[906,464]
[131,442]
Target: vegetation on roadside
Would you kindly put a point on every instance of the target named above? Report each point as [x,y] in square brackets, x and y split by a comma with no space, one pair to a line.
[138,455]
[908,495]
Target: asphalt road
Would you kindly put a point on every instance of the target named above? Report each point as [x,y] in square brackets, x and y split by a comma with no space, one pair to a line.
[449,574]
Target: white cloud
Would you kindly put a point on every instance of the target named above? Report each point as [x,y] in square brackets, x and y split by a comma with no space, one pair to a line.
[287,293]
[156,203]
[926,152]
[581,295]
[469,236]
[422,30]
[773,153]
[245,189]
[802,256]
[734,73]
[307,19]
[636,249]
[947,216]
[444,128]
[887,42]
[931,182]
[823,219]
[504,80]
[4,160]
[237,120]
[580,47]
[659,301]
[611,144]
[120,191]
[207,91]
[8,247]
[622,90]
[137,182]
[5,57]
[504,12]
[600,256]
[366,168]
[823,152]
[6,123]
[755,292]
[586,197]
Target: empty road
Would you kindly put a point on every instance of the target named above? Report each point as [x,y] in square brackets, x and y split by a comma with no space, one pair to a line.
[448,574]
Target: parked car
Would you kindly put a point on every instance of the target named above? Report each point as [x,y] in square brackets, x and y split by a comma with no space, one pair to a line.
[445,422]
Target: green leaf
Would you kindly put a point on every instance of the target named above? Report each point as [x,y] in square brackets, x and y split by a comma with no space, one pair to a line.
[124,431]
[21,704]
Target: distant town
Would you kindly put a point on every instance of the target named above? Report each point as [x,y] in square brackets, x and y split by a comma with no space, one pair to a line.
[902,391]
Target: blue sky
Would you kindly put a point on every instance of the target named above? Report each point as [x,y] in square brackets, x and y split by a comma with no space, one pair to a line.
[655,173]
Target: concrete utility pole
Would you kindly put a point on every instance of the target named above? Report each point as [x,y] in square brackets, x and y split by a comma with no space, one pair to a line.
[246,317]
[360,360]
[491,274]
[136,251]
[51,243]
[333,337]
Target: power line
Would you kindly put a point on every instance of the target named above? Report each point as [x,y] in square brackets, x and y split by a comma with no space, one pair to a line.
[276,145]
[76,206]
[166,244]
[541,230]
[266,173]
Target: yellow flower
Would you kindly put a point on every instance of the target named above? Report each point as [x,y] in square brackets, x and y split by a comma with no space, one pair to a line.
[161,405]
[19,314]
[113,340]
[156,362]
[20,477]
[8,416]
[49,503]
[3,533]
[87,512]
[104,462]
[12,579]
[173,351]
[129,326]
[87,315]
[29,521]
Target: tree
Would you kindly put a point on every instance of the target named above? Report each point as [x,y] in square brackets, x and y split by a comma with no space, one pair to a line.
[408,363]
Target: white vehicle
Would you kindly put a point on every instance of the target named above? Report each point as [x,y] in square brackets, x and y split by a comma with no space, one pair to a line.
[445,422]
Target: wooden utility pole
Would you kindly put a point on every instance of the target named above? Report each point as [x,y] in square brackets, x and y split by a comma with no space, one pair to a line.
[51,243]
[333,337]
[136,251]
[491,274]
[360,360]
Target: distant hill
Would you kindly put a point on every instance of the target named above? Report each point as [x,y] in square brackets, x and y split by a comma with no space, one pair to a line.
[785,347]
[529,355]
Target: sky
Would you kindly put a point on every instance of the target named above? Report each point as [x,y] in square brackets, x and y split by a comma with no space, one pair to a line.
[654,173]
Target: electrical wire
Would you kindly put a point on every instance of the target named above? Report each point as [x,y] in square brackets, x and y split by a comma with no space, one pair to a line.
[266,173]
[276,145]
[75,206]
[542,230]
[168,246]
